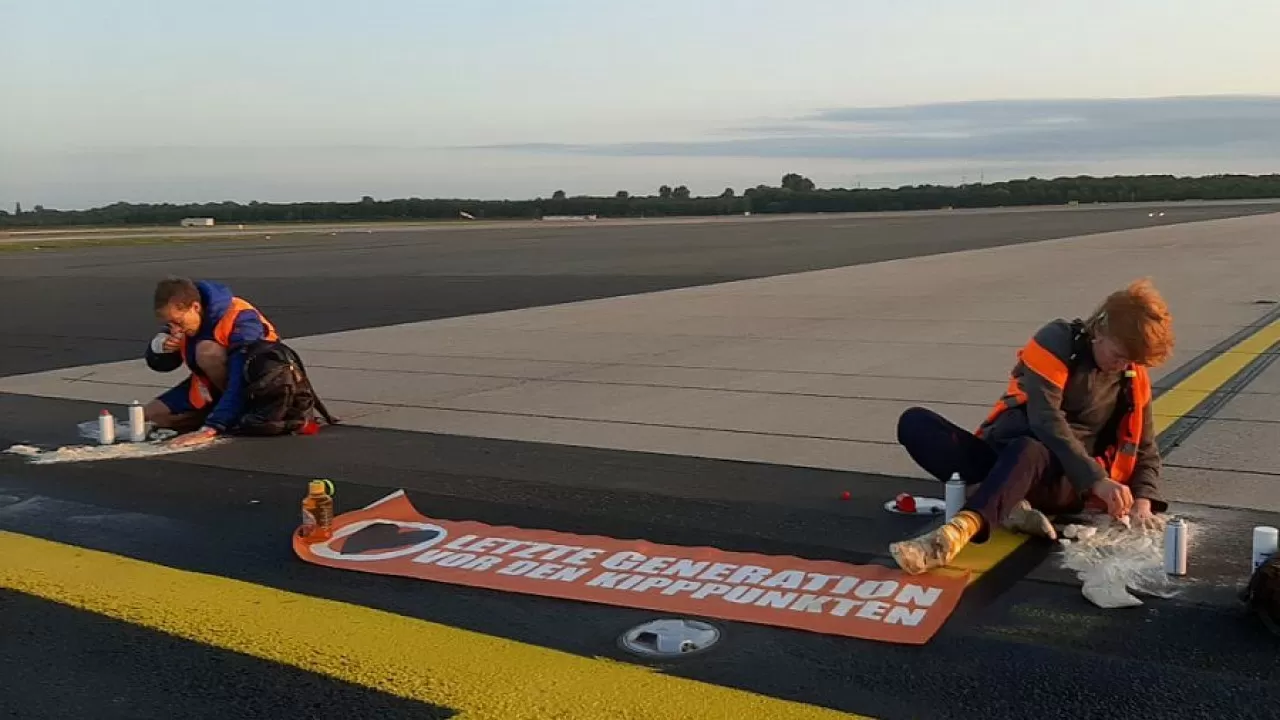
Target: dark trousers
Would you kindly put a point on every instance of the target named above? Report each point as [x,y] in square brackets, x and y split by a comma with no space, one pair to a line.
[1023,470]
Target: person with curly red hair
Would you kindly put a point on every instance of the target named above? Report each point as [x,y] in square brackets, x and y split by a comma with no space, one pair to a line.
[1073,430]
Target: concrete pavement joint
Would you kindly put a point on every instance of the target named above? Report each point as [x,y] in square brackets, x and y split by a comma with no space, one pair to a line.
[553,377]
[1261,473]
[568,378]
[634,423]
[588,365]
[1247,421]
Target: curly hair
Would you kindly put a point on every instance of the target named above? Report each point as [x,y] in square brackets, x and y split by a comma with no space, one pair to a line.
[1137,318]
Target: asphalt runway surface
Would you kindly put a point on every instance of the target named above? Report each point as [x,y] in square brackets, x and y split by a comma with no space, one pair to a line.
[1013,649]
[79,306]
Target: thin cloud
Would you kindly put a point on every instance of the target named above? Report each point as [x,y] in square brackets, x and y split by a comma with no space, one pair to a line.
[997,130]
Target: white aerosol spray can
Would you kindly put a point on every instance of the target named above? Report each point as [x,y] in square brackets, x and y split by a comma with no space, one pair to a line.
[106,428]
[137,423]
[955,495]
[1266,541]
[1175,547]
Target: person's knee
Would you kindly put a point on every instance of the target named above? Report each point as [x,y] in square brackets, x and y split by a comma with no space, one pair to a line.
[211,357]
[156,412]
[912,422]
[162,416]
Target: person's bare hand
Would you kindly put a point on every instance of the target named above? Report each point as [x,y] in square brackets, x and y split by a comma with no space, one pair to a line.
[166,342]
[192,439]
[1140,515]
[1118,498]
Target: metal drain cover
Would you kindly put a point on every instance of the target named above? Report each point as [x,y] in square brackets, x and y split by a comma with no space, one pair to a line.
[670,637]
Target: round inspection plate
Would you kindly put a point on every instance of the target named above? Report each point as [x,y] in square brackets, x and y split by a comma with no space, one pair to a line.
[924,506]
[669,637]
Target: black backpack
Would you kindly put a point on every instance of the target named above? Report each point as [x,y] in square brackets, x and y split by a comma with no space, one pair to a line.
[1261,596]
[278,396]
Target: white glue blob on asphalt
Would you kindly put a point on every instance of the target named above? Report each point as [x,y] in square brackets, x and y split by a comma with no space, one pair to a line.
[90,453]
[1117,559]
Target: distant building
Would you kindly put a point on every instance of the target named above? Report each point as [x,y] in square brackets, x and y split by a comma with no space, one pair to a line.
[197,222]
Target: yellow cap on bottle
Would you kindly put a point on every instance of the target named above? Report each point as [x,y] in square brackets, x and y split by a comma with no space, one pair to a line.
[320,487]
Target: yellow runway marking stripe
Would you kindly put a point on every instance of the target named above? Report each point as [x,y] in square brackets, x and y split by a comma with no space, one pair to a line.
[980,558]
[1172,405]
[478,675]
[1181,399]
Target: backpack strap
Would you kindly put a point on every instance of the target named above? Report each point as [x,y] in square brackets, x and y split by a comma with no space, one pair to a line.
[1080,342]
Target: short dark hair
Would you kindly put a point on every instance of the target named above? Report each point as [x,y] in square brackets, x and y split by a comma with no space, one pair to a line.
[176,291]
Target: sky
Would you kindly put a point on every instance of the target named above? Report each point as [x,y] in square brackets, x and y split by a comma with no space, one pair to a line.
[139,101]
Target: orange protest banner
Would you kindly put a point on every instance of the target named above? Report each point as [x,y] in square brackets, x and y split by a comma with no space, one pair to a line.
[873,602]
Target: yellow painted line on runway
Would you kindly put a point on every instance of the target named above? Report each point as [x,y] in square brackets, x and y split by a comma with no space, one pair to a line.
[479,676]
[1172,405]
[979,558]
[1180,400]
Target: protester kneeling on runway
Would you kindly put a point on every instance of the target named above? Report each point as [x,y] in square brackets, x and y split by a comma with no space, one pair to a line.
[243,378]
[1072,432]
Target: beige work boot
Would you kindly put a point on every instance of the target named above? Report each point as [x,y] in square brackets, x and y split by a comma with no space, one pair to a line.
[1027,520]
[937,548]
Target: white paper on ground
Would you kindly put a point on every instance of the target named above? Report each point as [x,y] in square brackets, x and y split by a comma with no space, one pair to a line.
[1116,559]
[1108,594]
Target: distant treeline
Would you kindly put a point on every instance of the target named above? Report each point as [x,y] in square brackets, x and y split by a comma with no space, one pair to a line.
[796,193]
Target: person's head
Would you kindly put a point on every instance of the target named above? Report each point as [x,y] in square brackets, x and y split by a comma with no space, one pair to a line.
[1132,325]
[177,304]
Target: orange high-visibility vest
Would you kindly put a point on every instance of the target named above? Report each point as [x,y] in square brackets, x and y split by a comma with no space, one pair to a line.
[200,393]
[1121,458]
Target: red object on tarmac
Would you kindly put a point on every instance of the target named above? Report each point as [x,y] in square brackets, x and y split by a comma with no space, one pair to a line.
[845,495]
[906,503]
[309,428]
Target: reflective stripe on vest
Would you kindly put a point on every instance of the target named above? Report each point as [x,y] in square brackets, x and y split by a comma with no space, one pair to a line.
[200,394]
[1121,459]
[1041,362]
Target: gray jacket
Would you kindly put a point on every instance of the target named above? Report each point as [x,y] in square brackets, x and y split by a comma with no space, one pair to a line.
[1070,421]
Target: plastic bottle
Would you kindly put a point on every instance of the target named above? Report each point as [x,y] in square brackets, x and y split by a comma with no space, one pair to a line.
[317,511]
[1266,542]
[955,495]
[106,428]
[137,423]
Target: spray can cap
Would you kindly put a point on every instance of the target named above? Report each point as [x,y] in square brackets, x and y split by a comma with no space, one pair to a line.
[105,412]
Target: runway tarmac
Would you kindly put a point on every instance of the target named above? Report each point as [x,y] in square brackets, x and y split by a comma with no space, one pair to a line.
[1016,646]
[92,305]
